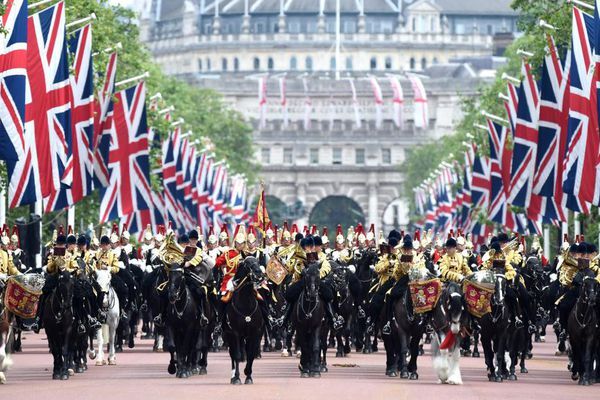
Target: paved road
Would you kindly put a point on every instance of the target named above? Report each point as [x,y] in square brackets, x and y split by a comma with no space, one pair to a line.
[142,373]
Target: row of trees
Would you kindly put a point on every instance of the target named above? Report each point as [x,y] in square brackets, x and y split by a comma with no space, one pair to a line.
[423,160]
[203,110]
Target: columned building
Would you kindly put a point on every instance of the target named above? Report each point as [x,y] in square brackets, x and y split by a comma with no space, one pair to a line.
[315,155]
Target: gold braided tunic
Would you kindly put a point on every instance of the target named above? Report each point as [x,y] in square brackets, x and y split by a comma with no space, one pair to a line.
[106,259]
[453,268]
[384,268]
[66,262]
[7,266]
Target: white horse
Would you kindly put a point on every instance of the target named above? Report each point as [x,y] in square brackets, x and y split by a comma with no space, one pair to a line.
[446,362]
[5,360]
[108,331]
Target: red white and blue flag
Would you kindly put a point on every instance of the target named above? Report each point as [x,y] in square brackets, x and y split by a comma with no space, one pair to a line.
[129,165]
[580,178]
[103,124]
[49,106]
[82,119]
[498,210]
[169,169]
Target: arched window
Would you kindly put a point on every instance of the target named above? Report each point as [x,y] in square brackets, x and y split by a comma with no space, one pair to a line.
[256,63]
[270,64]
[309,63]
[293,63]
[208,64]
[200,64]
[349,66]
[414,24]
[423,63]
[388,63]
[373,63]
[332,63]
[412,63]
[236,64]
[224,64]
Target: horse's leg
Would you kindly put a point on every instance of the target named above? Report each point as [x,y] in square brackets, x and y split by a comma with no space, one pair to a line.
[100,345]
[64,351]
[514,354]
[488,353]
[476,336]
[251,345]
[500,354]
[587,357]
[340,344]
[315,350]
[112,327]
[235,354]
[323,352]
[414,354]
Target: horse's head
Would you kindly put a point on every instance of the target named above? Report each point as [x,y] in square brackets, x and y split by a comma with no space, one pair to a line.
[65,289]
[339,277]
[499,290]
[250,268]
[311,280]
[454,306]
[176,285]
[589,291]
[103,278]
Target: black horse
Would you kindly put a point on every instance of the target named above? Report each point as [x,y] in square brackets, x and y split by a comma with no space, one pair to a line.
[307,318]
[494,326]
[343,303]
[181,322]
[582,327]
[244,321]
[58,322]
[365,276]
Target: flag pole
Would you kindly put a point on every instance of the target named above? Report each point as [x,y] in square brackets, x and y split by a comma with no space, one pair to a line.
[262,199]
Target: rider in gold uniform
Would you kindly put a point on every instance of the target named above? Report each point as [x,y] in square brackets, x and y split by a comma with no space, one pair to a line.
[453,266]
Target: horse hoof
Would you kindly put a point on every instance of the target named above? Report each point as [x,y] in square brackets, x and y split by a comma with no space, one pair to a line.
[559,353]
[574,376]
[498,379]
[92,355]
[195,371]
[366,351]
[512,377]
[524,370]
[304,375]
[339,354]
[248,381]
[421,352]
[64,377]
[529,355]
[112,362]
[236,381]
[71,371]
[475,354]
[202,371]
[55,376]
[414,376]
[404,375]
[171,369]
[315,374]
[324,368]
[2,378]
[391,373]
[131,344]
[542,339]
[99,363]
[79,370]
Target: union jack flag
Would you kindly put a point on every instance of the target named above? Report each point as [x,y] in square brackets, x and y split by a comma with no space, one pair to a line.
[49,108]
[204,183]
[237,202]
[554,109]
[17,140]
[480,185]
[82,119]
[511,104]
[169,164]
[13,65]
[103,124]
[218,209]
[466,217]
[580,178]
[129,166]
[498,208]
[139,220]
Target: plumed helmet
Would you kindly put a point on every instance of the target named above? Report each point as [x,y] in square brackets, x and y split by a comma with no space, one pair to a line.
[325,235]
[240,234]
[360,231]
[251,237]
[224,234]
[339,235]
[270,233]
[14,238]
[371,233]
[286,234]
[148,233]
[212,238]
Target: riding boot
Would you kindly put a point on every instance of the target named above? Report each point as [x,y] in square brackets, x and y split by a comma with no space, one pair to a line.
[389,315]
[37,322]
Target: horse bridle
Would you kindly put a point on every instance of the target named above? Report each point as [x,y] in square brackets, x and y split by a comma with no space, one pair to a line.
[589,307]
[178,297]
[62,306]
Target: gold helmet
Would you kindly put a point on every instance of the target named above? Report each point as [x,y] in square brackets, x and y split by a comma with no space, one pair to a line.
[417,240]
[325,236]
[125,233]
[339,236]
[148,233]
[381,239]
[5,239]
[350,236]
[536,245]
[212,238]
[371,233]
[565,244]
[14,238]
[269,233]
[224,234]
[239,235]
[360,232]
[251,237]
[114,236]
[160,234]
[285,233]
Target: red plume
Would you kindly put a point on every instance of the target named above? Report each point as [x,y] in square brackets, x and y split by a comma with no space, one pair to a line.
[418,235]
[339,230]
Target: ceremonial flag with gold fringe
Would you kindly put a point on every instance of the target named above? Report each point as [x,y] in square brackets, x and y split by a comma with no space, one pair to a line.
[260,219]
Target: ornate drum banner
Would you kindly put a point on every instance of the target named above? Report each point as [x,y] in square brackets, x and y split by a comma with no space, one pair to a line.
[478,297]
[425,294]
[22,294]
[276,271]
